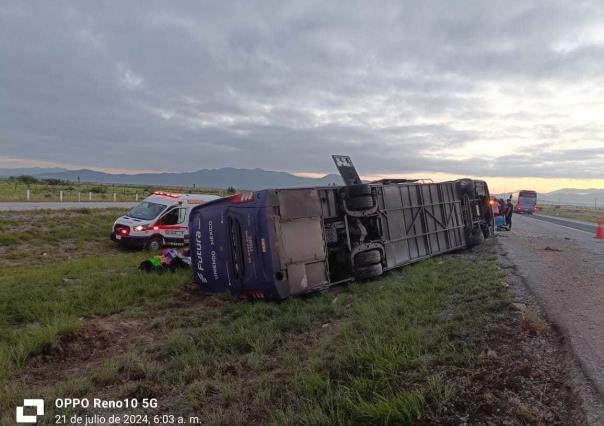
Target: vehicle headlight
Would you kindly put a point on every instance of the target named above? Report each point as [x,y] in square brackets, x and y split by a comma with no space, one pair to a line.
[139,228]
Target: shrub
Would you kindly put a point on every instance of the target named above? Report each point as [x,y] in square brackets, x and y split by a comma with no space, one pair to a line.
[52,181]
[98,189]
[27,179]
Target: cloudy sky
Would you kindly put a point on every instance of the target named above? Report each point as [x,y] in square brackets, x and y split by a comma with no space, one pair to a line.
[511,91]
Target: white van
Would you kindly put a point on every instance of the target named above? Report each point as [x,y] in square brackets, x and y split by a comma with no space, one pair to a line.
[160,219]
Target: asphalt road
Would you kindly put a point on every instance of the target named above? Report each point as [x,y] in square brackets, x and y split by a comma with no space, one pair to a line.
[64,205]
[575,224]
[562,263]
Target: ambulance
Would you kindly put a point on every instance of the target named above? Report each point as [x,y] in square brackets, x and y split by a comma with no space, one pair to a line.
[159,220]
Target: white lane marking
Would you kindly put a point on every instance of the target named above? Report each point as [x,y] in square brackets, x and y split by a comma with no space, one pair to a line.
[564,226]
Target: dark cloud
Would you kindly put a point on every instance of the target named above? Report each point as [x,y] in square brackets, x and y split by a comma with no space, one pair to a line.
[475,87]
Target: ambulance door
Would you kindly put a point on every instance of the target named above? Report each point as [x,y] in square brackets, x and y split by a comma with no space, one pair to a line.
[173,225]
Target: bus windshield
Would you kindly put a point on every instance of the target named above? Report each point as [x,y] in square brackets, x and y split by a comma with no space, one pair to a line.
[527,194]
[526,201]
[147,210]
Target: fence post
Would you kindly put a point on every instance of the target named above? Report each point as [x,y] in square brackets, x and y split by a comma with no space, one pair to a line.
[114,196]
[136,196]
[90,196]
[79,197]
[28,193]
[61,196]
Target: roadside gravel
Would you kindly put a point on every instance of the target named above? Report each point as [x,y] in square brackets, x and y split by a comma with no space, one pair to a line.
[564,270]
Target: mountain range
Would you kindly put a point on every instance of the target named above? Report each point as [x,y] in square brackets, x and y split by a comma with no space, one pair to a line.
[252,179]
[567,196]
[572,196]
[256,179]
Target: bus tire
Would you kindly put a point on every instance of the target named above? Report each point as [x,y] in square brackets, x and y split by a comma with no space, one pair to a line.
[367,272]
[359,190]
[155,243]
[475,238]
[367,258]
[360,203]
[465,187]
[487,231]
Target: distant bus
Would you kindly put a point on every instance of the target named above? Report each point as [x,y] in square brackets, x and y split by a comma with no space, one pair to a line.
[525,201]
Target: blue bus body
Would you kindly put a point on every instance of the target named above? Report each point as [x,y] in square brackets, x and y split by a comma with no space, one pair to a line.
[231,247]
[277,243]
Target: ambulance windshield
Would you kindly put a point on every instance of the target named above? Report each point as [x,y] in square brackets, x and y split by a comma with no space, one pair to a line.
[147,210]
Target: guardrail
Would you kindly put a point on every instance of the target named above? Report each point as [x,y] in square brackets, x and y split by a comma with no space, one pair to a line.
[81,196]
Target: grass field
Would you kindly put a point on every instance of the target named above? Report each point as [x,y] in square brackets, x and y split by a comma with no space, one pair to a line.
[40,191]
[586,214]
[34,237]
[414,347]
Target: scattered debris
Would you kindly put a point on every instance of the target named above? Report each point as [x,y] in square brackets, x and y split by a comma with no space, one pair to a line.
[167,260]
[548,248]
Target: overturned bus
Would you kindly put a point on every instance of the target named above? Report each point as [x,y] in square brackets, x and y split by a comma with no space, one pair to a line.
[277,243]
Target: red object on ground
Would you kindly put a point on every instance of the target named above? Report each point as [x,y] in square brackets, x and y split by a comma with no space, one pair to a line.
[599,230]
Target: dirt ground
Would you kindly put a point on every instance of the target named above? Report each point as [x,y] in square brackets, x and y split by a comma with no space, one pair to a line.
[104,338]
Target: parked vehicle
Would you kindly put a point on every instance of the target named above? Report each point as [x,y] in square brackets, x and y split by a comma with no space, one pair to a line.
[277,243]
[525,201]
[160,219]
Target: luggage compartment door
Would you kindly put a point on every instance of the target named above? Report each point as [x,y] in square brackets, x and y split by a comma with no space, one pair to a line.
[303,253]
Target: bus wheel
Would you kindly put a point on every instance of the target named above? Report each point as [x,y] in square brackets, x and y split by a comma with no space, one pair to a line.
[358,190]
[155,244]
[359,197]
[367,258]
[360,203]
[367,272]
[475,238]
[465,187]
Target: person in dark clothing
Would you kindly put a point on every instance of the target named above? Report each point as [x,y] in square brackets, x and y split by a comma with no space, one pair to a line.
[509,209]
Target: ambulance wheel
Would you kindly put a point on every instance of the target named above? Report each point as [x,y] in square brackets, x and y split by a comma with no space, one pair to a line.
[367,258]
[367,272]
[155,244]
[360,203]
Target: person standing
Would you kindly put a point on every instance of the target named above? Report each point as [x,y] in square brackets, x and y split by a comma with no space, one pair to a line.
[495,208]
[509,210]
